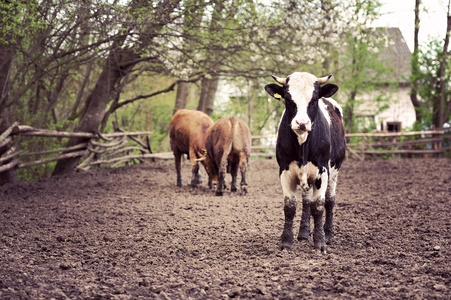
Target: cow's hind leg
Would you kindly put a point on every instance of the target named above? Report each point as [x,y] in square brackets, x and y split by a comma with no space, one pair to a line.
[178,166]
[289,185]
[234,173]
[243,169]
[221,174]
[329,205]
[304,229]
[196,177]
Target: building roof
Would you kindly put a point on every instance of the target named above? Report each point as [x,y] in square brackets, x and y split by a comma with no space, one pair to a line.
[396,53]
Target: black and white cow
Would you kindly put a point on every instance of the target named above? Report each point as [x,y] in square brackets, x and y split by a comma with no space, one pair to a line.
[310,150]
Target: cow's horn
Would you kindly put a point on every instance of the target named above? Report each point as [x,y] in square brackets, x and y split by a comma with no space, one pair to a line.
[200,159]
[324,79]
[279,80]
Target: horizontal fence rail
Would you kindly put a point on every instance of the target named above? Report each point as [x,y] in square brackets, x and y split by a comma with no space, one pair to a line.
[114,149]
[363,146]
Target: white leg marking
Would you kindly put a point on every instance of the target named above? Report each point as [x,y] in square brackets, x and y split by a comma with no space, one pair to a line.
[289,180]
[332,182]
[320,194]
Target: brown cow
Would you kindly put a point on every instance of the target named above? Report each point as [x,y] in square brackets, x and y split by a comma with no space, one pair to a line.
[228,147]
[187,131]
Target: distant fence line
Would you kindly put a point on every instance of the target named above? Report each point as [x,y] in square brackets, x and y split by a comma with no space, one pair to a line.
[127,147]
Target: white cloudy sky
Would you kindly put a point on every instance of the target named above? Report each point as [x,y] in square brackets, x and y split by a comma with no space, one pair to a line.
[400,13]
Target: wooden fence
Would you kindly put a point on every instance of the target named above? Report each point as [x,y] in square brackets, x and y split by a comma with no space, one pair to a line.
[361,146]
[102,149]
[434,143]
[129,147]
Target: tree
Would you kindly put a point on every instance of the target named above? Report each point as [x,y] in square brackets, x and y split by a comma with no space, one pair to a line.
[76,61]
[439,120]
[430,81]
[119,64]
[359,68]
[414,64]
[7,11]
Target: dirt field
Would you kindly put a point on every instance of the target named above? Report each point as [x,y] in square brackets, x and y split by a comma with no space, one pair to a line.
[130,233]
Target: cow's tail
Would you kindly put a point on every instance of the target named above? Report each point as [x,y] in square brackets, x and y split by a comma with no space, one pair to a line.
[229,143]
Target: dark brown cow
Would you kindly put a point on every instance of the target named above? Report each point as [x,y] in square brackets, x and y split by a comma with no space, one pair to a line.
[228,147]
[187,131]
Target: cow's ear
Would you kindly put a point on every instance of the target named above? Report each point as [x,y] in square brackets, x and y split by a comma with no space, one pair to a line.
[275,90]
[328,90]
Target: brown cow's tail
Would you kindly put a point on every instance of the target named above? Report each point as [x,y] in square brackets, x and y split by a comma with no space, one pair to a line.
[229,144]
[233,122]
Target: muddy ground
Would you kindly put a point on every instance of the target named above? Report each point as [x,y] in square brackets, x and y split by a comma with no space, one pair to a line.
[130,233]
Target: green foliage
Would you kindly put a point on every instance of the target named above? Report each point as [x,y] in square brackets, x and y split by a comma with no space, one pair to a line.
[152,114]
[253,105]
[366,74]
[19,19]
[61,48]
[429,59]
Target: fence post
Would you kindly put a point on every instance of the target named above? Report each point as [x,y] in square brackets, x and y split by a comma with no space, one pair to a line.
[438,144]
[8,173]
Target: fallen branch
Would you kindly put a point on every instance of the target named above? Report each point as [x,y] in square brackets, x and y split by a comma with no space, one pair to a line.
[47,160]
[8,131]
[69,149]
[9,165]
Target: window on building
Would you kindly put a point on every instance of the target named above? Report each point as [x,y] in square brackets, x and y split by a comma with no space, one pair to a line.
[393,126]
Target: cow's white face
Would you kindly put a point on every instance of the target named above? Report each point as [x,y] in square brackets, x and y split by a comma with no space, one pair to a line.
[301,92]
[301,87]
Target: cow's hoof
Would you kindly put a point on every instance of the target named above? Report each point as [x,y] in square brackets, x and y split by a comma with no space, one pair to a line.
[233,189]
[320,247]
[303,236]
[244,190]
[329,237]
[218,193]
[286,241]
[285,246]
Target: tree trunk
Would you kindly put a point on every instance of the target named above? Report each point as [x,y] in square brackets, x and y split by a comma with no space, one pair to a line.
[115,68]
[209,86]
[181,99]
[210,101]
[207,94]
[204,84]
[348,114]
[6,58]
[414,65]
[118,65]
[442,70]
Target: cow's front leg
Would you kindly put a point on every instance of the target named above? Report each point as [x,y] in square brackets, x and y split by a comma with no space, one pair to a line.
[196,177]
[317,209]
[304,229]
[289,185]
[329,205]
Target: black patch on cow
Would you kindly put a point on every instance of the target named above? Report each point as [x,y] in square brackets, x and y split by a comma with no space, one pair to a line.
[318,183]
[328,90]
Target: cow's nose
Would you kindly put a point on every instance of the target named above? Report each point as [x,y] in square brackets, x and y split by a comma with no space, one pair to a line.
[302,126]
